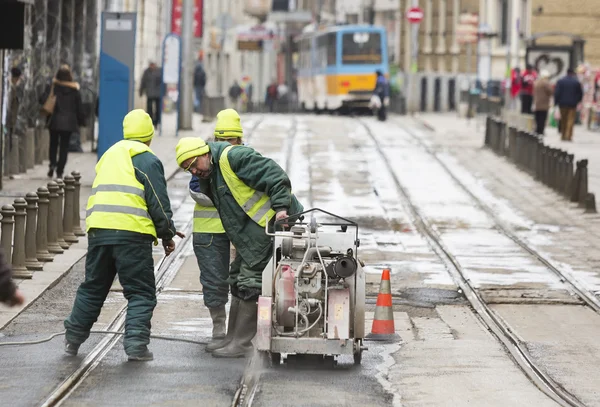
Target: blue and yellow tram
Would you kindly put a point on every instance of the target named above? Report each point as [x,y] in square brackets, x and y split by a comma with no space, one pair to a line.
[336,66]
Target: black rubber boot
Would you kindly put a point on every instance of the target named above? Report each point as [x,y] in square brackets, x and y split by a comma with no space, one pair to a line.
[244,331]
[233,311]
[71,349]
[142,356]
[218,316]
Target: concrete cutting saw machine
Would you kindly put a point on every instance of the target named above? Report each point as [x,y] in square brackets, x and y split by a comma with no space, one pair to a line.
[313,290]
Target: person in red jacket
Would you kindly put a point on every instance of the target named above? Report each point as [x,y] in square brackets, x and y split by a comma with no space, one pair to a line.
[9,293]
[527,80]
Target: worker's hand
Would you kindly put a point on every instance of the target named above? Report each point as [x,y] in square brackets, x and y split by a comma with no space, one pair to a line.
[169,246]
[17,299]
[282,215]
[181,235]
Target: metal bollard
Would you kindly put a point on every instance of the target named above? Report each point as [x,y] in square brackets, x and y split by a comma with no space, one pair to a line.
[519,147]
[535,143]
[53,215]
[41,236]
[583,183]
[29,148]
[68,210]
[555,156]
[76,216]
[568,176]
[503,137]
[38,145]
[18,257]
[574,191]
[590,203]
[61,204]
[8,223]
[512,143]
[488,129]
[31,261]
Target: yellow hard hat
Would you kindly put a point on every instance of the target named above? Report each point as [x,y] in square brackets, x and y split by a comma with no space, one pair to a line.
[137,125]
[228,124]
[189,147]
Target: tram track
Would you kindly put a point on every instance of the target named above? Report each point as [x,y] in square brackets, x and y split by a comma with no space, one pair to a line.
[588,297]
[487,316]
[165,270]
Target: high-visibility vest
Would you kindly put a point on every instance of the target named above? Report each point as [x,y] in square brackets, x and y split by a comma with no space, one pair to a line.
[256,204]
[118,201]
[207,220]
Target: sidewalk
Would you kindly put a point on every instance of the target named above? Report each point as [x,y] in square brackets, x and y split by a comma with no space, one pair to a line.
[471,133]
[163,145]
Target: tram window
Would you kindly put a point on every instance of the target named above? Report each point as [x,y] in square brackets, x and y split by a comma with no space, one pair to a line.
[331,49]
[322,51]
[361,48]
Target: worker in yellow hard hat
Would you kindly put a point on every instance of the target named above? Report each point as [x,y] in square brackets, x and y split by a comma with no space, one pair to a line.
[211,244]
[128,210]
[248,191]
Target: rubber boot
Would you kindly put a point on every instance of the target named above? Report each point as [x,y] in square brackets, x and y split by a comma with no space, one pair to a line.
[143,355]
[244,331]
[218,316]
[71,349]
[233,311]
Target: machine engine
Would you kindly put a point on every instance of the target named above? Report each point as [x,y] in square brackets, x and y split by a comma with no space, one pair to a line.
[313,293]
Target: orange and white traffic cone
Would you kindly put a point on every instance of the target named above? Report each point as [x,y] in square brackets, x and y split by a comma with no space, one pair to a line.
[383,322]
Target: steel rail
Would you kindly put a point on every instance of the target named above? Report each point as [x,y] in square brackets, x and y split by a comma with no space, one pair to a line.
[493,323]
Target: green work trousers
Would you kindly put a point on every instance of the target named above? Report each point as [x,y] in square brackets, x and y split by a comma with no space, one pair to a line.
[246,281]
[134,265]
[212,254]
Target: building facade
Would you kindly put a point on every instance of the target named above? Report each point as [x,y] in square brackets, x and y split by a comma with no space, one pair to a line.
[579,18]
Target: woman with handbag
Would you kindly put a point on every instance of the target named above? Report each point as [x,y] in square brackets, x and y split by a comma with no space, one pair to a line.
[65,109]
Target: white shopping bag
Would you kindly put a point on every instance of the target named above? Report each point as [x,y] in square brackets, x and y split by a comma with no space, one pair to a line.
[375,102]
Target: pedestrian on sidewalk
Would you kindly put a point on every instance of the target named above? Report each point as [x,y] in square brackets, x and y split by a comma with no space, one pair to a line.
[271,95]
[542,95]
[249,192]
[67,117]
[13,124]
[211,243]
[515,88]
[199,83]
[567,95]
[128,211]
[382,90]
[151,85]
[9,293]
[235,91]
[527,80]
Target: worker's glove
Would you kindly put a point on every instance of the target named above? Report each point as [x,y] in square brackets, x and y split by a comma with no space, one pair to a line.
[386,101]
[282,215]
[169,246]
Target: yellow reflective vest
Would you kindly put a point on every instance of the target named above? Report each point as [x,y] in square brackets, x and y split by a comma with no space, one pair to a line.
[118,201]
[256,204]
[206,220]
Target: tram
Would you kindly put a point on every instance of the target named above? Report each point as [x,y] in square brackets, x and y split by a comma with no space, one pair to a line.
[336,66]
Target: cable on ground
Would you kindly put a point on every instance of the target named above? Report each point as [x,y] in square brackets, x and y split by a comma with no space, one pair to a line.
[48,339]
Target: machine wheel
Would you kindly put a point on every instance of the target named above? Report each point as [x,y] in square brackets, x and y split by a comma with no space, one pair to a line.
[358,357]
[358,352]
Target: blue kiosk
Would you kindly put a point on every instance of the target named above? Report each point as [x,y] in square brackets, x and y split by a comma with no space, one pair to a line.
[116,77]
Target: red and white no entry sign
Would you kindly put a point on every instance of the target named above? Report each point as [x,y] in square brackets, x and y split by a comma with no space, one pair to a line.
[414,15]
